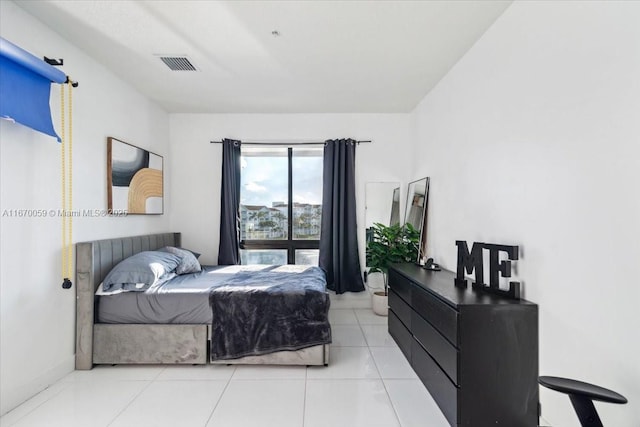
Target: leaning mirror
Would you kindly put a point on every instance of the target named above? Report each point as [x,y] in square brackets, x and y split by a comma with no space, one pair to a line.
[382,207]
[395,207]
[382,204]
[416,211]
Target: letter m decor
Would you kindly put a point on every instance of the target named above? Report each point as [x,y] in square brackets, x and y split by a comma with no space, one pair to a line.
[472,260]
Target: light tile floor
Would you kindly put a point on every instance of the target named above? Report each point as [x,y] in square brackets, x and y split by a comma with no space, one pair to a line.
[368,383]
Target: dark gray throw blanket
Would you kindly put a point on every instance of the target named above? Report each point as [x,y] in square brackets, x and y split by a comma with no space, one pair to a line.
[259,312]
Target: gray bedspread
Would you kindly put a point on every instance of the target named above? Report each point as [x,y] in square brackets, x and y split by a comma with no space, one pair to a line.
[277,308]
[181,300]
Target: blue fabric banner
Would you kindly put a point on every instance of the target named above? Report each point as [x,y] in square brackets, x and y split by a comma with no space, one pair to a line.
[25,85]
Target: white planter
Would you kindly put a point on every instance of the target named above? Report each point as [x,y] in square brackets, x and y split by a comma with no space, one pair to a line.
[380,303]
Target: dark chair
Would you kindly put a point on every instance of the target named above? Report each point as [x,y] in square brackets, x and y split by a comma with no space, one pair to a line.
[582,396]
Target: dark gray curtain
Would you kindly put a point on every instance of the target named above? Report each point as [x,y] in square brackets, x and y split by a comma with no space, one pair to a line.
[339,256]
[229,250]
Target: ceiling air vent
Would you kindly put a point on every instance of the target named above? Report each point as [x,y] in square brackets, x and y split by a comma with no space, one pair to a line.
[178,63]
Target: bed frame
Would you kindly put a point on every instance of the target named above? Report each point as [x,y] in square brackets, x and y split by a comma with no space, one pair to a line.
[102,343]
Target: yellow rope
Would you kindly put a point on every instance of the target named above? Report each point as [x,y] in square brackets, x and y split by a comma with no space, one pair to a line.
[63,157]
[70,241]
[67,186]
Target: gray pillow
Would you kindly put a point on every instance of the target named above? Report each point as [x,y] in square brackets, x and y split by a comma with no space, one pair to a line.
[195,254]
[140,271]
[188,262]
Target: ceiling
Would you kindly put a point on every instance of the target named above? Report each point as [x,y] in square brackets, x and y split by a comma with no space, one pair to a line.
[329,56]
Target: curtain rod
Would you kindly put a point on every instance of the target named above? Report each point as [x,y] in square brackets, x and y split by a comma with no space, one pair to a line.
[285,143]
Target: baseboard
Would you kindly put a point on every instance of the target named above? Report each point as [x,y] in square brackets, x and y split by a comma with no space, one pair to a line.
[18,395]
[544,423]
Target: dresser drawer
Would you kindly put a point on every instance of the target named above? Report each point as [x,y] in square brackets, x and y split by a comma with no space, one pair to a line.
[400,285]
[443,391]
[476,354]
[442,351]
[400,308]
[400,334]
[440,315]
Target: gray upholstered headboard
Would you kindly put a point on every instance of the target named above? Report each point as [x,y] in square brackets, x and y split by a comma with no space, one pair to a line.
[93,261]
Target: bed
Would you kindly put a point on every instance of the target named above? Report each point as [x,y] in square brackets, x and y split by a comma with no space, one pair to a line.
[106,334]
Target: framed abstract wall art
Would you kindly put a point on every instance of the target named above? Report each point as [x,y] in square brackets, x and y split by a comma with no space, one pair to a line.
[135,179]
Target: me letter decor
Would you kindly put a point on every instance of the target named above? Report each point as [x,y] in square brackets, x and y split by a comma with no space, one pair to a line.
[472,260]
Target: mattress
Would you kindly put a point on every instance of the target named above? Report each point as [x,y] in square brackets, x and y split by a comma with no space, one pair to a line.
[182,300]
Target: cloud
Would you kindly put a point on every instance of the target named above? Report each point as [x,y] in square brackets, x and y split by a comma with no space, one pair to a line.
[255,187]
[311,199]
[264,180]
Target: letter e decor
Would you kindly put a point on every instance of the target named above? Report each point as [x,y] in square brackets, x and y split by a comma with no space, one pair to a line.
[473,260]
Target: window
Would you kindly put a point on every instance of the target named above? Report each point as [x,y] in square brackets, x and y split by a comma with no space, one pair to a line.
[280,205]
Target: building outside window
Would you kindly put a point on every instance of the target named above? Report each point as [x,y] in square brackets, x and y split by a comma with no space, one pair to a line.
[279,183]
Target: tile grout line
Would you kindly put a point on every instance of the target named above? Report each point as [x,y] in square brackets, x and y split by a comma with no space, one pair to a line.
[130,402]
[221,396]
[395,411]
[39,405]
[365,337]
[136,396]
[384,384]
[304,400]
[374,360]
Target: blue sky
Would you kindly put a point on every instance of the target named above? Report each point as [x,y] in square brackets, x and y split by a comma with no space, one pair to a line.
[264,179]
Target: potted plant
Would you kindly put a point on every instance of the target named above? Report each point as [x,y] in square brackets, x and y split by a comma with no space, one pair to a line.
[388,245]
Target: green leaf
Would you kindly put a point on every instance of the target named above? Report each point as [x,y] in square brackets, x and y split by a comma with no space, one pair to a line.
[390,245]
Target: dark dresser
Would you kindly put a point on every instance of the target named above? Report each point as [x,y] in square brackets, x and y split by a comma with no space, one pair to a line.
[477,353]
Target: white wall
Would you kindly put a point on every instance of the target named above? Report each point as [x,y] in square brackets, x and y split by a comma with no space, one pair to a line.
[196,163]
[37,317]
[533,139]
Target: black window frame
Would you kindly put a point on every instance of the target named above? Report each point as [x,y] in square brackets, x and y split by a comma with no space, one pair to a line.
[289,244]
